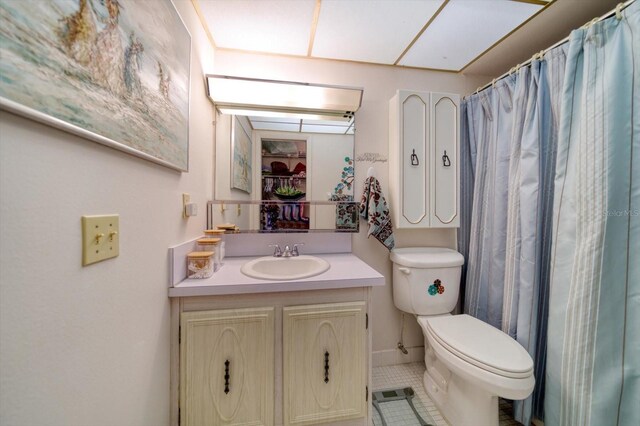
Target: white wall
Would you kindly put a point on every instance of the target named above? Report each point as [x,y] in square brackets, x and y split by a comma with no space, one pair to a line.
[222,178]
[380,84]
[90,346]
[326,154]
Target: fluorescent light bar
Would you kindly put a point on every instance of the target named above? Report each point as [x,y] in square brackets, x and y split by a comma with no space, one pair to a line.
[283,98]
[281,114]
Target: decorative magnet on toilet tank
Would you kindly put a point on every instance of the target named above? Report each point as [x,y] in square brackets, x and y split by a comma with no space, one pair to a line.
[436,288]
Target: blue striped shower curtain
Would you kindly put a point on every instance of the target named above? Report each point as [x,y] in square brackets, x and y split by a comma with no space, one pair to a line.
[593,359]
[508,151]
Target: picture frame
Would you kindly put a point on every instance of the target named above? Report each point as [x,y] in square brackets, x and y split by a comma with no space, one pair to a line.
[241,157]
[116,72]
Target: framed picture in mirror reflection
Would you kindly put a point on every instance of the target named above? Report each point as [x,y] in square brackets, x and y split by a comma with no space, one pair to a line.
[241,152]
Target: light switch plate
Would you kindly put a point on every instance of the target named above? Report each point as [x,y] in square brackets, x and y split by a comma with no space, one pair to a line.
[186,199]
[100,238]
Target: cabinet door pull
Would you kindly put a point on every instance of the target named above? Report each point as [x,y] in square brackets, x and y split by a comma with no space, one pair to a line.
[445,160]
[414,159]
[326,367]
[226,376]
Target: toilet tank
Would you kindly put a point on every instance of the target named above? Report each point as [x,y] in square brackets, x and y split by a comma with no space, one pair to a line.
[426,280]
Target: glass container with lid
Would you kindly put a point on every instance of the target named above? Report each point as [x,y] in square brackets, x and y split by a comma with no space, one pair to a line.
[213,233]
[200,264]
[217,233]
[214,245]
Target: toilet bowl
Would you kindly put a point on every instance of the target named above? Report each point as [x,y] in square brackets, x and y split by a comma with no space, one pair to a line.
[469,363]
[484,363]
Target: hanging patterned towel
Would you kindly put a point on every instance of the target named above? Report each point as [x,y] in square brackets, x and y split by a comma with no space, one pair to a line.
[374,209]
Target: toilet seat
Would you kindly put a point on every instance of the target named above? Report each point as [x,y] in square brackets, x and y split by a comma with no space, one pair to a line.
[479,344]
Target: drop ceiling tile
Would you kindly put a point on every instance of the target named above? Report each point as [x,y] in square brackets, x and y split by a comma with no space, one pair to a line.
[339,130]
[463,30]
[276,26]
[369,30]
[283,127]
[344,124]
[275,120]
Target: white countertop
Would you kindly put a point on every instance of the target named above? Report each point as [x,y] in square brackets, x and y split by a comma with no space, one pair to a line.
[346,270]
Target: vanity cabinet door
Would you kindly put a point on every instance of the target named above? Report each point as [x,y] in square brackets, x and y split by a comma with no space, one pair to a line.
[325,363]
[226,363]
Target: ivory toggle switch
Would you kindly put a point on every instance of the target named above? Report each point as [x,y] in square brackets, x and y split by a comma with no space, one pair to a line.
[100,238]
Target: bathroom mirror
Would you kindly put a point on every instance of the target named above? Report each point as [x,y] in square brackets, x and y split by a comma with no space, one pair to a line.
[283,155]
[284,173]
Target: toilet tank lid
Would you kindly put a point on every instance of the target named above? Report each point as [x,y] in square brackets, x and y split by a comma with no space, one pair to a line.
[426,257]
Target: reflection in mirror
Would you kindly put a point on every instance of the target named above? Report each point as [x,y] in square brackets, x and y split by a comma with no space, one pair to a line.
[284,216]
[302,171]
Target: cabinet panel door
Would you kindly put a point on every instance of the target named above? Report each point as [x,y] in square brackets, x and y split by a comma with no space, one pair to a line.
[444,170]
[414,137]
[226,367]
[325,363]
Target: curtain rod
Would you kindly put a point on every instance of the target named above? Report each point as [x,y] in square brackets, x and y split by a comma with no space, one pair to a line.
[617,11]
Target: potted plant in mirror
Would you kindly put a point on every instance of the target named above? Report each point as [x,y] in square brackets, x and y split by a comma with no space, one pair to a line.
[288,193]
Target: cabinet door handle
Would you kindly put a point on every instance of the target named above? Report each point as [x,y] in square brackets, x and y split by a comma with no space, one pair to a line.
[326,367]
[226,376]
[445,160]
[414,159]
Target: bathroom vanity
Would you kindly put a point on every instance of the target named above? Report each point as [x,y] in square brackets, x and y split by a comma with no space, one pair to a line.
[272,352]
[277,341]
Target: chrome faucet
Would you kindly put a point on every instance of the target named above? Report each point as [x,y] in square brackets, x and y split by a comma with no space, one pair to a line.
[287,252]
[276,251]
[294,251]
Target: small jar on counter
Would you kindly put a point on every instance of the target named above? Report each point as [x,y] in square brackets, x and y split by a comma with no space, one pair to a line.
[200,264]
[214,245]
[214,233]
[217,233]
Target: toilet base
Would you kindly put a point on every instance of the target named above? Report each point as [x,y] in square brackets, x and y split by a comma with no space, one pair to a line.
[462,403]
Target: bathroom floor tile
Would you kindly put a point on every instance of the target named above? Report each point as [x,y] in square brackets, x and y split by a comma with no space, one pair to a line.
[403,375]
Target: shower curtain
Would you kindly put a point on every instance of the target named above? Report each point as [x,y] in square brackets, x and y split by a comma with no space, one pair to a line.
[508,152]
[593,360]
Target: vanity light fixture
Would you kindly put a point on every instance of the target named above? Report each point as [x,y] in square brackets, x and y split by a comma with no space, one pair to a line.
[272,98]
[299,115]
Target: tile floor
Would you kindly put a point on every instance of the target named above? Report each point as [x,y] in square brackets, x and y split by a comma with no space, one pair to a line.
[399,413]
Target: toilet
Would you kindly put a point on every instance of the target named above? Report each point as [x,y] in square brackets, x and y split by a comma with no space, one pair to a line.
[469,363]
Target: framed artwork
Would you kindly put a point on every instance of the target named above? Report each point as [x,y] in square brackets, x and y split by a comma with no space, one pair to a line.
[113,71]
[241,152]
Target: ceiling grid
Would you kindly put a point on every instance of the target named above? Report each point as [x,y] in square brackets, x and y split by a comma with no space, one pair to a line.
[314,26]
[444,35]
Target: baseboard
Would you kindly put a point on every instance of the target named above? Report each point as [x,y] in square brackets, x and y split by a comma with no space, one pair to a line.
[395,356]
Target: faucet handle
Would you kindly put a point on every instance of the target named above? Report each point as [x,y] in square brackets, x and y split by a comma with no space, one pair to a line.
[276,251]
[295,251]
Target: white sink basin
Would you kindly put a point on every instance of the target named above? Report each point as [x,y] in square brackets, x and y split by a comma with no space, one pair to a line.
[285,268]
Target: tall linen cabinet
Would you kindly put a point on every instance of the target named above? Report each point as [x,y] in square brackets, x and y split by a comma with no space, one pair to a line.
[424,171]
